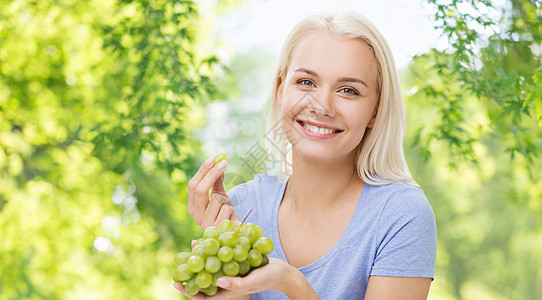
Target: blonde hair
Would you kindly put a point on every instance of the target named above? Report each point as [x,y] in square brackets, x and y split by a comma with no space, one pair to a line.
[380,157]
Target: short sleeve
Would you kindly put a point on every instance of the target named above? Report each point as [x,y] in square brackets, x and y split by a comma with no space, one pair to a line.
[238,195]
[406,236]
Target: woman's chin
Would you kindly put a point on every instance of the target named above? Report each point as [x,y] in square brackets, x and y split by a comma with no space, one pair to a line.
[317,154]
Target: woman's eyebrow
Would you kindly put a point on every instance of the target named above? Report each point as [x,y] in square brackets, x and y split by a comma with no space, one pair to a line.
[303,70]
[343,79]
[351,79]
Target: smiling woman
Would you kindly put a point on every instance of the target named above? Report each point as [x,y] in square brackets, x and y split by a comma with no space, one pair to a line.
[382,159]
[345,216]
[341,77]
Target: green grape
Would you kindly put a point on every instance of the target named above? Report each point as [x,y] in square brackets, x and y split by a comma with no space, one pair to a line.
[217,275]
[265,260]
[220,157]
[199,250]
[259,231]
[195,263]
[244,267]
[211,246]
[239,253]
[244,242]
[228,239]
[251,233]
[243,229]
[197,242]
[204,279]
[212,264]
[254,258]
[264,245]
[181,258]
[225,254]
[230,268]
[211,233]
[225,226]
[210,291]
[191,287]
[182,273]
[240,227]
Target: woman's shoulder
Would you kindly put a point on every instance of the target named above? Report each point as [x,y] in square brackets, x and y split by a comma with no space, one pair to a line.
[405,230]
[399,189]
[402,198]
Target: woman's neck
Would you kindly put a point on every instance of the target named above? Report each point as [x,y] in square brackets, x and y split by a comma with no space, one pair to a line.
[316,187]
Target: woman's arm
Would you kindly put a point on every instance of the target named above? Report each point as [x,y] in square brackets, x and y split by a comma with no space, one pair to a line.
[404,288]
[244,297]
[297,287]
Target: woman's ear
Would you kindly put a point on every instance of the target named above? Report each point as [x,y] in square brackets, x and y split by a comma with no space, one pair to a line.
[279,92]
[373,119]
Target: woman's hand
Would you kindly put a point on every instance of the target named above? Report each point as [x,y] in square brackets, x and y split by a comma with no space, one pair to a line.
[277,275]
[210,211]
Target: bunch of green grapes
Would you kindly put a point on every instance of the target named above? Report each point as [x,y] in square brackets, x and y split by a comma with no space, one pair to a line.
[221,252]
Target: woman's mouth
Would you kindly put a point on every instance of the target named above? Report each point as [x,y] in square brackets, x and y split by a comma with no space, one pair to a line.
[318,131]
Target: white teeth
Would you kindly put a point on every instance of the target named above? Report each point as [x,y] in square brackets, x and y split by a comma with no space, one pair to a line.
[317,130]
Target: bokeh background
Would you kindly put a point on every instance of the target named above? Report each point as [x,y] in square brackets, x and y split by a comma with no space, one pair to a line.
[107,108]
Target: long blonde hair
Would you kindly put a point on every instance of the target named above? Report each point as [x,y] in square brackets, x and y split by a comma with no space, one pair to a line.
[380,156]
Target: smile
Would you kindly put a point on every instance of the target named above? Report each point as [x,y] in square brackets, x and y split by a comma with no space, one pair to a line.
[317,130]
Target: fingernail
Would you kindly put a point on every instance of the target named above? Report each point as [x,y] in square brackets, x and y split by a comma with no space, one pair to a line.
[221,165]
[209,162]
[176,285]
[223,282]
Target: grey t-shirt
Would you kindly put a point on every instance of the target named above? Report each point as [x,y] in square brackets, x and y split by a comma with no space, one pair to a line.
[391,233]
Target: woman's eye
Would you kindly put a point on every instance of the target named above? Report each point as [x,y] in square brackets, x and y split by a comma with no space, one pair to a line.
[349,91]
[305,82]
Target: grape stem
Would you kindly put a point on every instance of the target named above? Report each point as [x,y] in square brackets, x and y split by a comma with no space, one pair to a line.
[237,229]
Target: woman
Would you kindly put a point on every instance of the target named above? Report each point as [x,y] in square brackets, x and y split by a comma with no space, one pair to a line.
[347,219]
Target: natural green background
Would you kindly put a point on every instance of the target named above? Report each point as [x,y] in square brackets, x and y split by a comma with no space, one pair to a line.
[103,109]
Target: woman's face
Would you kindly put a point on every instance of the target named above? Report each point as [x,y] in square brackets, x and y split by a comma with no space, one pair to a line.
[329,96]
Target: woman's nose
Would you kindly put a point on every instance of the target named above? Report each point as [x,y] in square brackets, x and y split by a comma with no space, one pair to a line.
[321,104]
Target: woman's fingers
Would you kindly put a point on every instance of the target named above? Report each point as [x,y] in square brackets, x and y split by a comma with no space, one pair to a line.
[198,196]
[271,277]
[201,196]
[238,285]
[193,183]
[225,213]
[220,208]
[180,288]
[213,209]
[260,279]
[222,294]
[218,186]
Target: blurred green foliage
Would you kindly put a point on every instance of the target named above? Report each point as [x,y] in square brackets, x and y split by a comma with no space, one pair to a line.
[494,55]
[488,212]
[474,144]
[98,101]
